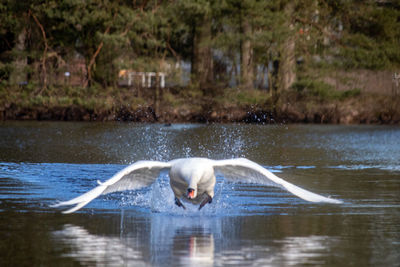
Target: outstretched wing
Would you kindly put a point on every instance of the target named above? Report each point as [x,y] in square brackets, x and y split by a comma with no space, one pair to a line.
[244,170]
[138,175]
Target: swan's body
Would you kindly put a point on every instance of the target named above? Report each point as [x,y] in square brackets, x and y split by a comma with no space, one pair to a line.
[191,179]
[192,173]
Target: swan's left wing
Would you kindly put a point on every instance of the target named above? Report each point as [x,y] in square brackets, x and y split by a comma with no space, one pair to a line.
[138,175]
[244,170]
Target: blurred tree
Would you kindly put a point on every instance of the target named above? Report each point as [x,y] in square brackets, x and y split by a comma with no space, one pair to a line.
[241,36]
[371,34]
[14,32]
[195,20]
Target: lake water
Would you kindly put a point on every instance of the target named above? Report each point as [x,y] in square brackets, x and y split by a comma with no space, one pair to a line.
[246,225]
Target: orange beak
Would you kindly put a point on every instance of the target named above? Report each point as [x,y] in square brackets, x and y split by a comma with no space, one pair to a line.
[190,193]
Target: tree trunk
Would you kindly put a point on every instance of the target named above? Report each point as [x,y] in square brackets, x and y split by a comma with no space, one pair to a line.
[46,47]
[247,66]
[202,61]
[19,75]
[287,66]
[287,63]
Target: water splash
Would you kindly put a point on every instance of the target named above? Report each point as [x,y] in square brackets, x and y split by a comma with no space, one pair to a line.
[159,198]
[163,143]
[229,200]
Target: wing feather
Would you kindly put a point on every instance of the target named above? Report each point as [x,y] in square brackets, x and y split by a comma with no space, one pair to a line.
[138,175]
[244,170]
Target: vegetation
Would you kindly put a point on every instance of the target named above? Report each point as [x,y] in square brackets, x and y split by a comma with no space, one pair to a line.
[242,53]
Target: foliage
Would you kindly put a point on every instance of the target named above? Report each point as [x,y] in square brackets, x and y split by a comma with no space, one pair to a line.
[41,39]
[310,87]
[243,98]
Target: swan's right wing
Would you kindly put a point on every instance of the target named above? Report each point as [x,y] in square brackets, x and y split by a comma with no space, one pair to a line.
[138,175]
[244,170]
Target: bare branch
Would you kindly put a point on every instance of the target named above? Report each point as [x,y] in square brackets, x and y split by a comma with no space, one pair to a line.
[46,47]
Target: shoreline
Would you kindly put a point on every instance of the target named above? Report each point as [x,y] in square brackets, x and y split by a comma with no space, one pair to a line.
[358,110]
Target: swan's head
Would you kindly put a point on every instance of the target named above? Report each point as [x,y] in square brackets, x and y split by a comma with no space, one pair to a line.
[191,193]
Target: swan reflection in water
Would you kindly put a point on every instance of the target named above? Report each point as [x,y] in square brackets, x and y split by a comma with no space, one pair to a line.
[170,241]
[102,250]
[188,241]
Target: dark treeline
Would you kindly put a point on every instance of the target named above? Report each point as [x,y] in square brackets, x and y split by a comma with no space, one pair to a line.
[223,40]
[247,44]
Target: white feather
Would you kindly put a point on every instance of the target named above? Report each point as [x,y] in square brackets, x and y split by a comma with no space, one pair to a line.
[245,170]
[144,173]
[133,177]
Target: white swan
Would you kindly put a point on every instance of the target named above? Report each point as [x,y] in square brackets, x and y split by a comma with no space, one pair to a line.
[191,179]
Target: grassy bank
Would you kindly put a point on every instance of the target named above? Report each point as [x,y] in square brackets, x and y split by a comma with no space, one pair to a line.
[307,102]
